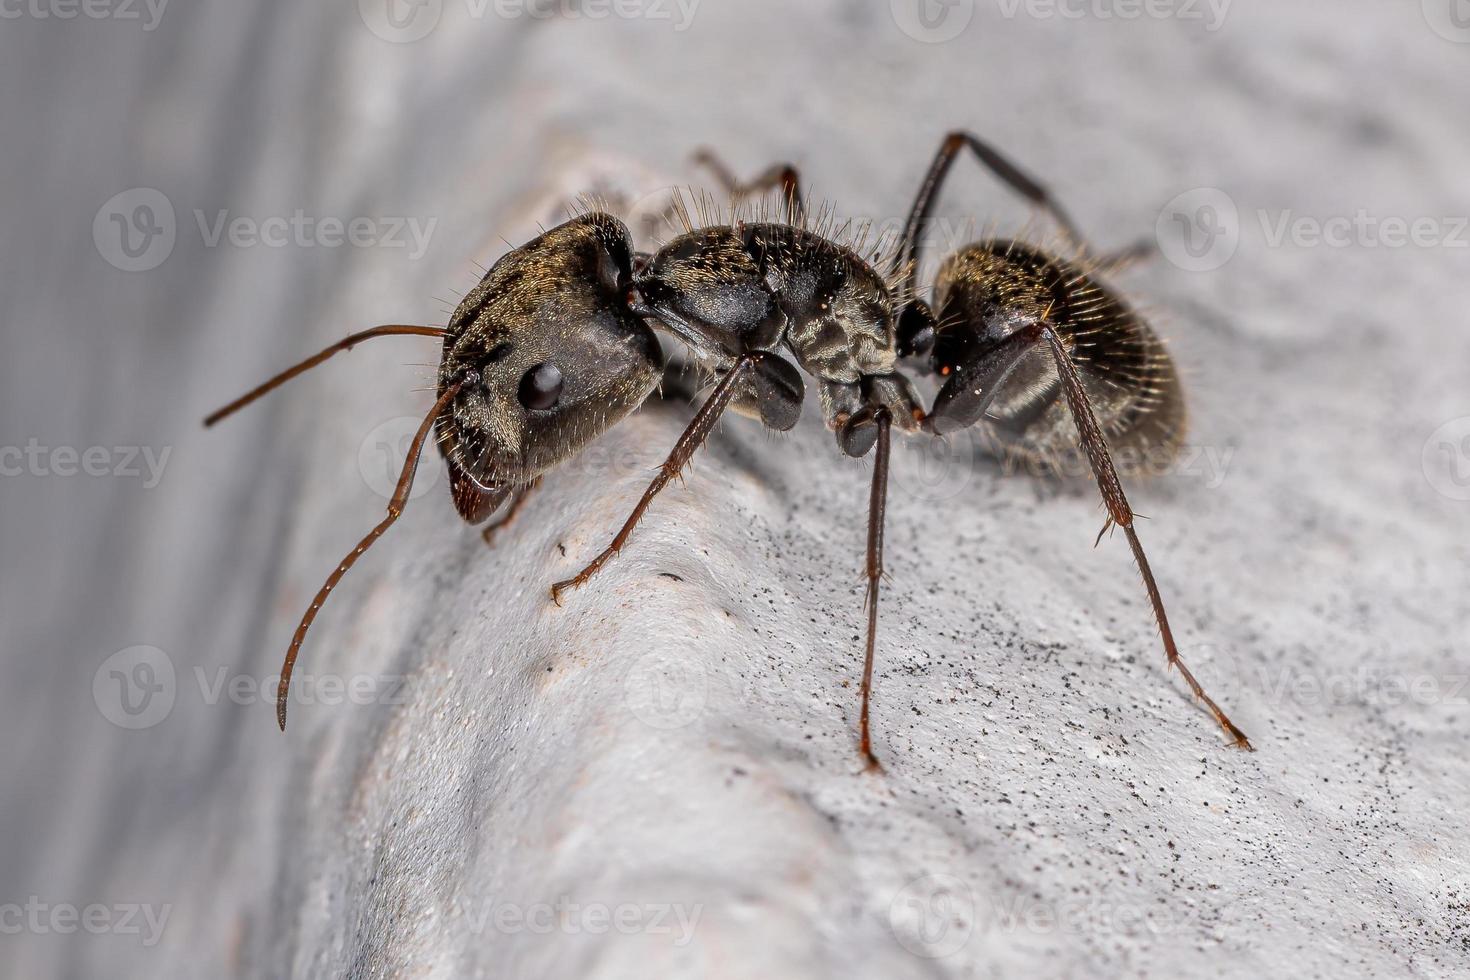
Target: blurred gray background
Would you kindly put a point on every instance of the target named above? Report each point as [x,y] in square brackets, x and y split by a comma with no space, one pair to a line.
[661,778]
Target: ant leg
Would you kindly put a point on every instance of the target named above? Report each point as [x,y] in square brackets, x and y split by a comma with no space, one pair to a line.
[1011,175]
[877,507]
[967,395]
[1121,514]
[1140,251]
[395,508]
[973,385]
[683,452]
[782,175]
[517,501]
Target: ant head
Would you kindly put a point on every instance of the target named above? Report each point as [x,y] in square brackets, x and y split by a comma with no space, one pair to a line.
[549,354]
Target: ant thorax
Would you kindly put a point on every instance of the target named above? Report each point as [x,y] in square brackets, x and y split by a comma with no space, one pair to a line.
[763,285]
[759,286]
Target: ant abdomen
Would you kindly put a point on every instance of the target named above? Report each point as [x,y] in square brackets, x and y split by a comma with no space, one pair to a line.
[989,290]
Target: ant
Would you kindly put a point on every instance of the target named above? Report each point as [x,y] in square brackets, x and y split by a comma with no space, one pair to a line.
[556,344]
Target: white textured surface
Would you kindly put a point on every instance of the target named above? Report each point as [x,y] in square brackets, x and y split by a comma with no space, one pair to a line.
[1053,804]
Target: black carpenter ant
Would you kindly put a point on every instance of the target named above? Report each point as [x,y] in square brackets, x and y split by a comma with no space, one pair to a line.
[554,346]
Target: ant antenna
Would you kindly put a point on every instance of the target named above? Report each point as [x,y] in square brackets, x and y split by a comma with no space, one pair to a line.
[392,330]
[395,508]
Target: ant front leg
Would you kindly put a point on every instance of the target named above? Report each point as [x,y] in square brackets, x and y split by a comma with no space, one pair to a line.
[782,175]
[745,368]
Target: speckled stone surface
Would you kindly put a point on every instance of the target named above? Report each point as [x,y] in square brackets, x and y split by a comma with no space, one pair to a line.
[661,778]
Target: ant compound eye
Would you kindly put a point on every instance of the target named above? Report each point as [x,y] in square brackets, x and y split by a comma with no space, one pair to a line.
[541,387]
